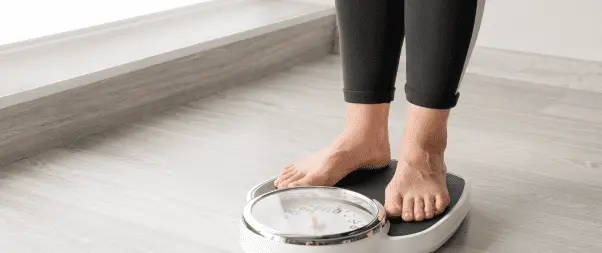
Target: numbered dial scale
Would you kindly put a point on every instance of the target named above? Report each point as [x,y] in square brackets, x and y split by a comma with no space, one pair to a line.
[346,218]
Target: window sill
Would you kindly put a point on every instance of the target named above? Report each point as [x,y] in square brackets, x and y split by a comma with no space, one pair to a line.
[33,70]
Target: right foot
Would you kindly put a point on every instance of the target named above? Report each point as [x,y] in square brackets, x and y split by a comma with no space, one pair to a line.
[363,144]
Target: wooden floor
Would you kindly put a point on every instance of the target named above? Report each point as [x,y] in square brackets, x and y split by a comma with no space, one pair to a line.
[177,182]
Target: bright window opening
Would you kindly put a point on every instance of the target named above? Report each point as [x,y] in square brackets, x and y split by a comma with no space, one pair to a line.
[28,19]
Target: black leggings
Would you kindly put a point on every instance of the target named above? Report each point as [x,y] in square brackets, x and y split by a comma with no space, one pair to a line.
[438,35]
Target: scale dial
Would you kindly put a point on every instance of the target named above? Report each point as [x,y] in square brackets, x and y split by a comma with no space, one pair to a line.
[314,216]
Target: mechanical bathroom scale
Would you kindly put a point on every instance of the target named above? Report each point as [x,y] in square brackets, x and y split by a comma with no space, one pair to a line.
[348,217]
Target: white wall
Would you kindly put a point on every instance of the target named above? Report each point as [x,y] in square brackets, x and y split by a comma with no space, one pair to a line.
[551,27]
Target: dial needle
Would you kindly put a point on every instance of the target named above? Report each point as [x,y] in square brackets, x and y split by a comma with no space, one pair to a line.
[314,222]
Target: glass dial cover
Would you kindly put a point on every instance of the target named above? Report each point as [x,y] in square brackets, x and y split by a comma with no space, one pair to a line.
[313,212]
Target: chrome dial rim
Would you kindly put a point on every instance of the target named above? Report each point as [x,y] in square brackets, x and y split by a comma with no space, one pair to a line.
[372,228]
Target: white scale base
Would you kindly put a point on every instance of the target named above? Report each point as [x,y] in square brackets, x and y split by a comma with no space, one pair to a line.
[402,237]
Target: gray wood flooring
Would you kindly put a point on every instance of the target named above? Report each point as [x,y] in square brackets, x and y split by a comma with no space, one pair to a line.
[176,182]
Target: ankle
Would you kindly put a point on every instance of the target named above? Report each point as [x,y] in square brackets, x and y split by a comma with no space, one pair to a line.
[368,122]
[413,153]
[426,130]
[426,161]
[373,143]
[429,142]
[367,117]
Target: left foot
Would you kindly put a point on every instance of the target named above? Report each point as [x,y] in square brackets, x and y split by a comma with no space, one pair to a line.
[418,189]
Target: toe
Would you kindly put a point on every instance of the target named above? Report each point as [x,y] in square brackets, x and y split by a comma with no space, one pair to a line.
[418,209]
[307,180]
[408,208]
[285,175]
[441,202]
[302,181]
[287,183]
[429,206]
[394,209]
[393,203]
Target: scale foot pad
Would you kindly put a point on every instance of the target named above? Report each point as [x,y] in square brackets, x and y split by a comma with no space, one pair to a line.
[372,183]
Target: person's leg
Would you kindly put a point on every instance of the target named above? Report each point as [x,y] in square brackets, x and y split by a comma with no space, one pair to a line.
[371,33]
[438,41]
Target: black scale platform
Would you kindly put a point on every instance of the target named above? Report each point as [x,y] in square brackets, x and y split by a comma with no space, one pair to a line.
[372,183]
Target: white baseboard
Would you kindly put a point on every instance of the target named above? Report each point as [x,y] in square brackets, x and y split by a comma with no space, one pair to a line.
[537,69]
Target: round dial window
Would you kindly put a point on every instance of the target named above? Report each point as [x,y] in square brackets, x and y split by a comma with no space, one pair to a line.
[312,212]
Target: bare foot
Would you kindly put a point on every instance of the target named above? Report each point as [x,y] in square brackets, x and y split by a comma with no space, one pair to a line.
[418,190]
[363,144]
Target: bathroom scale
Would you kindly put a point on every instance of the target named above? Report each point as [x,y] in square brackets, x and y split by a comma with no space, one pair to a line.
[348,217]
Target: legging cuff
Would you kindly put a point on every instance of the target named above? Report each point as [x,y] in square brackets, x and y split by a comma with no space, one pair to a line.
[369,97]
[438,102]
